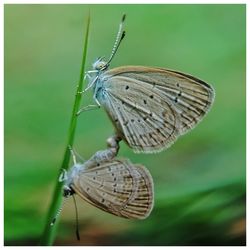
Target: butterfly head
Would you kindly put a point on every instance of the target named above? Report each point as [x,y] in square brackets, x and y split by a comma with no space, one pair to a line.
[100,64]
[67,191]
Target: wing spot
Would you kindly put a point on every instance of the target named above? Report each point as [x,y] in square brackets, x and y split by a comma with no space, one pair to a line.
[176,100]
[139,120]
[151,114]
[127,87]
[102,200]
[98,164]
[116,120]
[179,94]
[132,120]
[145,102]
[123,102]
[87,189]
[115,179]
[177,84]
[94,178]
[125,123]
[151,96]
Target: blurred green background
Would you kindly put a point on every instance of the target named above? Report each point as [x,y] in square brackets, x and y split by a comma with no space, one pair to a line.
[199,181]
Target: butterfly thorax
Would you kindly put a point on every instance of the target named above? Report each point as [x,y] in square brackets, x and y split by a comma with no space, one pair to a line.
[99,66]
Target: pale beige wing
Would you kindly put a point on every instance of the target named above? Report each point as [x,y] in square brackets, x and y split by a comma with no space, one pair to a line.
[173,103]
[117,187]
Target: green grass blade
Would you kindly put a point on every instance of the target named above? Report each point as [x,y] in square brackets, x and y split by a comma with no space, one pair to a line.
[49,231]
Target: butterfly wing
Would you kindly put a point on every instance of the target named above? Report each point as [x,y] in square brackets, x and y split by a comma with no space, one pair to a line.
[151,107]
[117,187]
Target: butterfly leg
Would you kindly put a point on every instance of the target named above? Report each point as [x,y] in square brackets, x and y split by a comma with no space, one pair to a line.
[75,156]
[87,108]
[63,176]
[90,84]
[87,73]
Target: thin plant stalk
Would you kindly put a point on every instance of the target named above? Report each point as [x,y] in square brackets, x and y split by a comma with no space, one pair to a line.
[50,231]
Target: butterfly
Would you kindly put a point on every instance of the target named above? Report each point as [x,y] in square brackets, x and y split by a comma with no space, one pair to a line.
[116,186]
[150,107]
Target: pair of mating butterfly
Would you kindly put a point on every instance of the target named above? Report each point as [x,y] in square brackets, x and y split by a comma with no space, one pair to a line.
[150,108]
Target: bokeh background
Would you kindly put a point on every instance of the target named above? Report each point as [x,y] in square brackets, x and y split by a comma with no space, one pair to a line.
[199,181]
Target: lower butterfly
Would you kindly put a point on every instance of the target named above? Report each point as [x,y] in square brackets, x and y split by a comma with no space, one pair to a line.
[150,107]
[113,185]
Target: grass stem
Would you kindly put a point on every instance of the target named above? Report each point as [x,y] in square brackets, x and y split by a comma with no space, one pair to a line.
[49,232]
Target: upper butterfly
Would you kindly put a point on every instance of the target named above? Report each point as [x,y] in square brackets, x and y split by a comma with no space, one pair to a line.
[149,106]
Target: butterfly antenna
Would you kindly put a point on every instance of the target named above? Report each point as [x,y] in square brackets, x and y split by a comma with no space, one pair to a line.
[119,38]
[77,221]
[58,212]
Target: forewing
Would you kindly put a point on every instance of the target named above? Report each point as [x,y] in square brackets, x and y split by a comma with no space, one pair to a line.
[117,187]
[172,103]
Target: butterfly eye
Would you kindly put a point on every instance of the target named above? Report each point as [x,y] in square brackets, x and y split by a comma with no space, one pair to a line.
[99,64]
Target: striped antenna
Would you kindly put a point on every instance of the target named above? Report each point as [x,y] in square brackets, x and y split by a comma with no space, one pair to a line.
[119,38]
[58,212]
